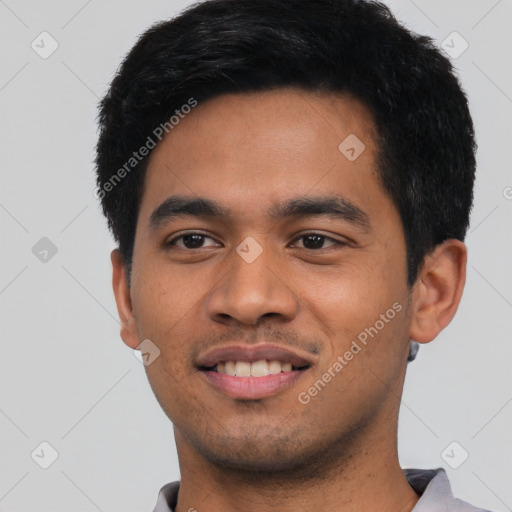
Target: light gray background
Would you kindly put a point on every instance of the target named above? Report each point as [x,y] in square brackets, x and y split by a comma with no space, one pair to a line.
[66,376]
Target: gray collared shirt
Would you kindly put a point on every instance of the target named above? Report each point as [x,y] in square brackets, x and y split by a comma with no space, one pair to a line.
[431,484]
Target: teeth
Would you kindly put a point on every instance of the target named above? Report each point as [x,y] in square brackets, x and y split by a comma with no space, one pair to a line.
[274,367]
[229,368]
[287,367]
[259,368]
[243,369]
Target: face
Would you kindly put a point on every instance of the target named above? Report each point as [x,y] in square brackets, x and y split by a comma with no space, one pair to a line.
[260,239]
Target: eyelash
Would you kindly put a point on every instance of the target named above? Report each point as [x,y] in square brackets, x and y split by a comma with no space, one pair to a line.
[172,242]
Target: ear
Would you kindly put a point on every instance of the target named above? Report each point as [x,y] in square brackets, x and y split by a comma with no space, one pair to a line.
[129,332]
[438,290]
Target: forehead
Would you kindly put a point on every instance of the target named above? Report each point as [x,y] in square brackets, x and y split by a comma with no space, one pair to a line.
[253,148]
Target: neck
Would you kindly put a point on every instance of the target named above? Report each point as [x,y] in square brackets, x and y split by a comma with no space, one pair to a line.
[363,475]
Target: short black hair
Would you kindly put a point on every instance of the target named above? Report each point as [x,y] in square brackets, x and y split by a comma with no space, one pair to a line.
[426,157]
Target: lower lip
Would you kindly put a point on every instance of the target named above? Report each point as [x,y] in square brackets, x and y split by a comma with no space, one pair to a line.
[252,388]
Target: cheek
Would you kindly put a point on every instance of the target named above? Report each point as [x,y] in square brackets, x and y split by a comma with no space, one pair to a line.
[169,306]
[347,298]
[164,296]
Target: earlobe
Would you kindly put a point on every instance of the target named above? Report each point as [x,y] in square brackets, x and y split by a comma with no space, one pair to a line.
[438,290]
[122,295]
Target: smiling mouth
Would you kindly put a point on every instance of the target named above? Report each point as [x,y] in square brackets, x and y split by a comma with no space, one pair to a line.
[260,368]
[253,372]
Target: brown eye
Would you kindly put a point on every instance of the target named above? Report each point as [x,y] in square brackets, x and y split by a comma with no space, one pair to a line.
[315,241]
[192,241]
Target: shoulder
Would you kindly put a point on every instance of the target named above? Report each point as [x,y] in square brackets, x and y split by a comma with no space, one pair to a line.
[167,497]
[435,492]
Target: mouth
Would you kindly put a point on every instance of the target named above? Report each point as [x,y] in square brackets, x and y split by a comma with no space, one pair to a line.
[253,372]
[260,368]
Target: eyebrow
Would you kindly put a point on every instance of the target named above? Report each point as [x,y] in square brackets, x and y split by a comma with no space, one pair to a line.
[335,207]
[182,206]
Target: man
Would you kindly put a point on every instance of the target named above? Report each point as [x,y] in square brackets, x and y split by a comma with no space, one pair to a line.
[289,183]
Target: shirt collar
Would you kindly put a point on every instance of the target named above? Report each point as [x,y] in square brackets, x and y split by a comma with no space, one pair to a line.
[431,485]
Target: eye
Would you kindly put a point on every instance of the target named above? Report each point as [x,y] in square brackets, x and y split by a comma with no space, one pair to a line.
[192,241]
[316,241]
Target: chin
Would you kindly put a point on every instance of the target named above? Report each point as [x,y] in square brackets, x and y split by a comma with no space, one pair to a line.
[262,453]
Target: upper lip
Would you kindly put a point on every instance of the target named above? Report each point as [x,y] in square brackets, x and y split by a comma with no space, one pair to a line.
[250,353]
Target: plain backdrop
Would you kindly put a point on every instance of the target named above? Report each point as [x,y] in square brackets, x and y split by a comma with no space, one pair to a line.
[66,377]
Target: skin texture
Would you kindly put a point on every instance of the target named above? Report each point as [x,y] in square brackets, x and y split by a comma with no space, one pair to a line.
[247,152]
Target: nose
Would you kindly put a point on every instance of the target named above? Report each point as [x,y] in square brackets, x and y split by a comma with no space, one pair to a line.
[252,291]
